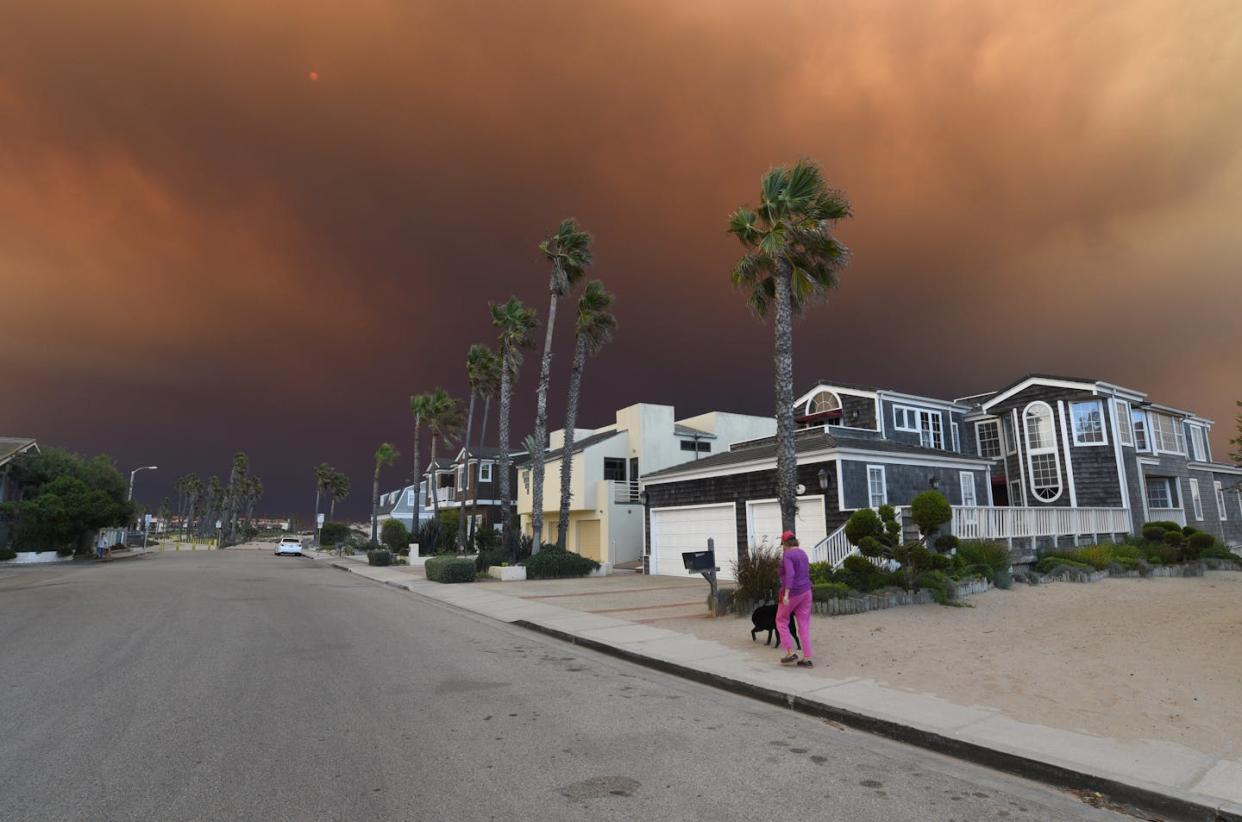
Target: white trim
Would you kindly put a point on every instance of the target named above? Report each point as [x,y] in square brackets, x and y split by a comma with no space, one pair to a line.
[1122,429]
[488,465]
[1196,501]
[1142,478]
[689,507]
[963,478]
[1122,479]
[1000,439]
[1069,459]
[1147,443]
[955,430]
[836,389]
[1197,448]
[1148,461]
[1215,466]
[1178,428]
[1073,422]
[1029,381]
[1220,500]
[1122,392]
[883,485]
[815,394]
[805,498]
[1043,450]
[904,408]
[1018,449]
[913,459]
[932,402]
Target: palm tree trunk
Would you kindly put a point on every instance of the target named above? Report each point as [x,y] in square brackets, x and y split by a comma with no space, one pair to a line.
[786,460]
[465,492]
[332,508]
[434,480]
[506,492]
[375,505]
[474,506]
[318,489]
[541,432]
[418,477]
[567,459]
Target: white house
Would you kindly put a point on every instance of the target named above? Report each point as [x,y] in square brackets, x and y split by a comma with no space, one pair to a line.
[606,513]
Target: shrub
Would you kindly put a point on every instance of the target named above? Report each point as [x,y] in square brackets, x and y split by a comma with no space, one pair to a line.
[433,538]
[1164,525]
[860,574]
[758,574]
[1174,538]
[1218,551]
[1125,550]
[486,538]
[829,590]
[395,536]
[1098,557]
[450,569]
[553,563]
[379,556]
[989,559]
[1158,553]
[946,543]
[7,554]
[1197,544]
[333,532]
[863,523]
[1050,563]
[1189,530]
[1153,533]
[486,559]
[821,573]
[929,510]
[1125,563]
[943,589]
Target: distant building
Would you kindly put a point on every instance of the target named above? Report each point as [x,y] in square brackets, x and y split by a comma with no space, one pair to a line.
[10,449]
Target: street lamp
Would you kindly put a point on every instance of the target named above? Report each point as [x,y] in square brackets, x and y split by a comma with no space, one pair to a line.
[135,471]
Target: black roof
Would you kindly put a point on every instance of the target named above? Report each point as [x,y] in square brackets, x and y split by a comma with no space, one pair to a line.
[809,440]
[585,442]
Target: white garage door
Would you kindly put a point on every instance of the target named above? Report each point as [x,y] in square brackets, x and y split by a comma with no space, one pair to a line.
[674,530]
[763,519]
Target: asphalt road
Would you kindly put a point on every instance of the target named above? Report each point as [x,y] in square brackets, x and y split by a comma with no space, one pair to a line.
[242,686]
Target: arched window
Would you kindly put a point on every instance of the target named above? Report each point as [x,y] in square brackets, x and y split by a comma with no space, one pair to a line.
[1041,452]
[823,402]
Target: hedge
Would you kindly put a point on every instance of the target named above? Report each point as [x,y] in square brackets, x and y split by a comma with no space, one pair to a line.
[7,554]
[379,556]
[450,569]
[553,563]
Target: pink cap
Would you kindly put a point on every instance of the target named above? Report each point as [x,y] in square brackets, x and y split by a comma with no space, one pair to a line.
[787,537]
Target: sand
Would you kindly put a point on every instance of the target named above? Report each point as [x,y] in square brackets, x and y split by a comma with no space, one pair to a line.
[1127,658]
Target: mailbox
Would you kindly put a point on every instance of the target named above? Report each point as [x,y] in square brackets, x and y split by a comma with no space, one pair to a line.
[698,561]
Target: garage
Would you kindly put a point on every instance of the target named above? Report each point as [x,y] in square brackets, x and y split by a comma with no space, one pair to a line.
[763,519]
[674,530]
[588,539]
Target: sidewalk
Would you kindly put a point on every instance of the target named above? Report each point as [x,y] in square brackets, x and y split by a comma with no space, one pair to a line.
[1162,778]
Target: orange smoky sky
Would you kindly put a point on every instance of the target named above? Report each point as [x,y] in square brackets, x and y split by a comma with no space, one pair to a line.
[261,225]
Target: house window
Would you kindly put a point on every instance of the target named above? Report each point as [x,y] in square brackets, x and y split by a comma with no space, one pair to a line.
[1011,440]
[822,403]
[987,435]
[1196,442]
[485,472]
[968,489]
[957,437]
[1195,500]
[1041,453]
[1160,493]
[1139,418]
[1167,434]
[1220,500]
[409,498]
[701,446]
[614,469]
[1125,425]
[905,418]
[927,424]
[1015,493]
[877,489]
[1087,419]
[461,476]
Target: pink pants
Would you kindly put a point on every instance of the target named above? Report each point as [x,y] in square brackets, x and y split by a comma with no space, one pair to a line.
[800,606]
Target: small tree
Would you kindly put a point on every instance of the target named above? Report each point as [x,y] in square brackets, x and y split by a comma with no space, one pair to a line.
[395,536]
[930,510]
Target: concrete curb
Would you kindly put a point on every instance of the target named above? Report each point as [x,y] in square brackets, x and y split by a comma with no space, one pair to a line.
[1157,801]
[1149,800]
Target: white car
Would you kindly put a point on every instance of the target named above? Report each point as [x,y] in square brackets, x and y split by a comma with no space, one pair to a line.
[289,545]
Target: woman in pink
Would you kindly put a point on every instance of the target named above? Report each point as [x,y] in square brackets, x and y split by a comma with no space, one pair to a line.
[795,599]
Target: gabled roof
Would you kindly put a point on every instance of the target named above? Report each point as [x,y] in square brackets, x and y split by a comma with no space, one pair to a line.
[10,447]
[487,452]
[687,431]
[807,441]
[582,444]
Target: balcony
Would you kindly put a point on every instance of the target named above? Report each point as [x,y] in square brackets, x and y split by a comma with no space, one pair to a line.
[625,492]
[984,522]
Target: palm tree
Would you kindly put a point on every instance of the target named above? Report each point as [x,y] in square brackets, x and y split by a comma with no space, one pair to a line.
[385,455]
[323,480]
[569,252]
[234,493]
[478,360]
[593,330]
[488,384]
[513,322]
[791,259]
[213,497]
[337,491]
[419,408]
[444,421]
[254,492]
[193,493]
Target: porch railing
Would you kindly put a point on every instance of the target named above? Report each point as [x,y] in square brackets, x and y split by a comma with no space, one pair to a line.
[1167,514]
[833,548]
[625,492]
[984,522]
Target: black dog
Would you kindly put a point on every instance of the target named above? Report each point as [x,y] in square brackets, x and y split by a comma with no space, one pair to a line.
[764,619]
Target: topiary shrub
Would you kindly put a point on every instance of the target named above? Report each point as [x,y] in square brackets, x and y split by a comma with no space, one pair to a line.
[553,563]
[929,510]
[1158,553]
[1153,533]
[860,574]
[395,536]
[1218,551]
[946,543]
[863,523]
[449,569]
[1198,543]
[486,559]
[829,590]
[379,556]
[1174,539]
[1189,530]
[1164,525]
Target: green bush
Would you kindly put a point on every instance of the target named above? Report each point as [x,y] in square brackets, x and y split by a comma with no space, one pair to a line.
[1049,563]
[988,559]
[1158,553]
[486,559]
[333,532]
[757,571]
[7,554]
[821,573]
[553,563]
[1153,533]
[1189,530]
[863,523]
[861,574]
[449,569]
[943,589]
[1126,550]
[395,536]
[829,590]
[1098,557]
[1125,563]
[929,510]
[486,538]
[1197,544]
[1164,525]
[946,543]
[379,556]
[1218,551]
[1174,538]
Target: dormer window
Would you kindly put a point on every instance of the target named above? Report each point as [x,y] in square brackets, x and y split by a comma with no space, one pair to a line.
[822,403]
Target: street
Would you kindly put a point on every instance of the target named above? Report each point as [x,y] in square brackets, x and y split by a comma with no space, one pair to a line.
[239,685]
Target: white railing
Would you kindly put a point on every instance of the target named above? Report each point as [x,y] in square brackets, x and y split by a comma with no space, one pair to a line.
[625,492]
[984,522]
[1167,514]
[833,548]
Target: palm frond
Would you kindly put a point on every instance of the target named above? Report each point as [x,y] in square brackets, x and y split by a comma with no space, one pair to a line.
[595,324]
[569,252]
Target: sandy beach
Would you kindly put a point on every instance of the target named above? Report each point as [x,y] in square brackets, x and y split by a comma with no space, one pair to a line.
[1128,658]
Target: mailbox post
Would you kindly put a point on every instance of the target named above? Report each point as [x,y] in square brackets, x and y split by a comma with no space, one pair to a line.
[704,562]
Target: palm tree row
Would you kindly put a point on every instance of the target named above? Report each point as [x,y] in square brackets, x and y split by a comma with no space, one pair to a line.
[201,504]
